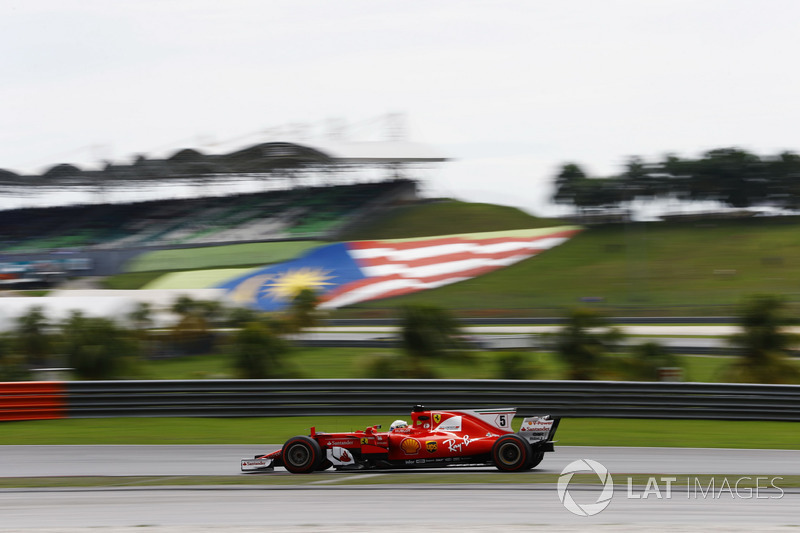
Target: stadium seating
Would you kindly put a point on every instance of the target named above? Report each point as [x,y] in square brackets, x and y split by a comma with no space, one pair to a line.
[304,212]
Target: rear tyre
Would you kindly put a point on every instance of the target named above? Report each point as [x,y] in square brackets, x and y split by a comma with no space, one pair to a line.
[301,455]
[536,458]
[511,453]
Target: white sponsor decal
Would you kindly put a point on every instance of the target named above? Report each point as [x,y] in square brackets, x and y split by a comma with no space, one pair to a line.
[350,442]
[455,445]
[451,424]
[340,456]
[536,429]
[537,426]
[257,463]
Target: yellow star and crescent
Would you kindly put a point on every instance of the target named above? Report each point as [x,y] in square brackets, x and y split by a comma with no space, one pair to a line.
[283,286]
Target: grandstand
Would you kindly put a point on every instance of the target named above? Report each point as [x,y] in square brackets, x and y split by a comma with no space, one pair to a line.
[313,212]
[100,238]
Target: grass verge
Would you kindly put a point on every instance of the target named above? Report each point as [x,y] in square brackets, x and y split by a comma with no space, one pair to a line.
[344,363]
[571,432]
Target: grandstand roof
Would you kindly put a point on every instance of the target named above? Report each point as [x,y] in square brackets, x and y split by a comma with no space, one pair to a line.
[191,164]
[381,152]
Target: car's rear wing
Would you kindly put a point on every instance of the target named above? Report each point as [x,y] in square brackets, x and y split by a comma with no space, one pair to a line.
[539,431]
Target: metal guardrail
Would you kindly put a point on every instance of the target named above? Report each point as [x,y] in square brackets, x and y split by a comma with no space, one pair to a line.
[270,398]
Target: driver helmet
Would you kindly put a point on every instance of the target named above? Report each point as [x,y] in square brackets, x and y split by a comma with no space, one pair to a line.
[398,424]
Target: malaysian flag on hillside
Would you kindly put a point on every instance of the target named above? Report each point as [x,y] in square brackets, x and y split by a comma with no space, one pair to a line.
[352,272]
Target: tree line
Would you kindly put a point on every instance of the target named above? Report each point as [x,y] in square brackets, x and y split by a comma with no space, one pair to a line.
[731,176]
[104,348]
[258,344]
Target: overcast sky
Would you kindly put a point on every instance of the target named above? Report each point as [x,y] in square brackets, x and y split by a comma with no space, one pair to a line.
[511,90]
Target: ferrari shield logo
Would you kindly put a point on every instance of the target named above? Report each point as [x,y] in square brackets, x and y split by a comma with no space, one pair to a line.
[430,445]
[437,417]
[364,440]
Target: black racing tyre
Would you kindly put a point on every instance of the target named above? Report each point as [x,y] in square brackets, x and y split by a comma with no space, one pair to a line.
[511,453]
[324,465]
[301,455]
[536,458]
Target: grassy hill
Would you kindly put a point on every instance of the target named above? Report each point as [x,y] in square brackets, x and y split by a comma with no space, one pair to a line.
[689,267]
[219,256]
[446,218]
[421,220]
[658,265]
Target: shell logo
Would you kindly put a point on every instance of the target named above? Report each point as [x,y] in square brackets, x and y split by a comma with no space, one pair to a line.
[410,446]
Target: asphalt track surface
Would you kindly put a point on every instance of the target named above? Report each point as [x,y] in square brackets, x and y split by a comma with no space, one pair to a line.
[388,509]
[219,460]
[321,507]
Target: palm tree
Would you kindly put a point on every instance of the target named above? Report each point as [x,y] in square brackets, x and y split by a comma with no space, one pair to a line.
[191,335]
[142,320]
[303,310]
[32,337]
[258,352]
[648,358]
[97,348]
[428,331]
[584,341]
[12,365]
[764,343]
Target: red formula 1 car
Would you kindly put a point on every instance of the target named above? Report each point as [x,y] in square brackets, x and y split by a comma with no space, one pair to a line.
[433,439]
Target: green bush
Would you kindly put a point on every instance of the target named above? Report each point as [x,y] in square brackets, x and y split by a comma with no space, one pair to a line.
[516,365]
[13,368]
[258,352]
[96,348]
[646,360]
[396,366]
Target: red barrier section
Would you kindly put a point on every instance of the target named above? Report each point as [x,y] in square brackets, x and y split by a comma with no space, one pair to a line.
[33,400]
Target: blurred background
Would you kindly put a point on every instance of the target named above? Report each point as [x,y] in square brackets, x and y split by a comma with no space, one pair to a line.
[153,153]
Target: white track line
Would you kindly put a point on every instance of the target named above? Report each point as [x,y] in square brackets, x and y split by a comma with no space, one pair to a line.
[336,479]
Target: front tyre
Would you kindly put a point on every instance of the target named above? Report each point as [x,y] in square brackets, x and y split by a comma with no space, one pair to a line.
[323,465]
[301,455]
[511,453]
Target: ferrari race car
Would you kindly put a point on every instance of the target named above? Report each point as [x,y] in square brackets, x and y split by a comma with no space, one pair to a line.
[433,439]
